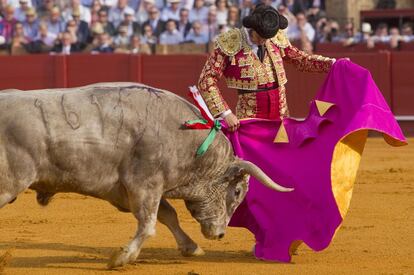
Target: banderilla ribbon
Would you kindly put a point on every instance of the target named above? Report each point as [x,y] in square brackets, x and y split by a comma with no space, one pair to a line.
[215,128]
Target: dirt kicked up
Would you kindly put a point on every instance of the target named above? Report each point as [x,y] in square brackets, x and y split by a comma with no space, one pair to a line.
[76,234]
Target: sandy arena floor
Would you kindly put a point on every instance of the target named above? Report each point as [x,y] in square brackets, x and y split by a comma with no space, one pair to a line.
[76,234]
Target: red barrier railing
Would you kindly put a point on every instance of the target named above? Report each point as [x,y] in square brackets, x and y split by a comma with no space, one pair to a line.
[391,71]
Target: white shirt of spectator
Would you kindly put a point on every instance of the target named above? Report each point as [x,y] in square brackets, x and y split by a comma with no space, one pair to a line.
[66,49]
[197,39]
[116,16]
[109,3]
[294,33]
[199,15]
[222,17]
[85,14]
[16,4]
[173,38]
[168,13]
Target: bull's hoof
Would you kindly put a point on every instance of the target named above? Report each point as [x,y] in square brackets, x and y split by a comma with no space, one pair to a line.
[192,251]
[120,258]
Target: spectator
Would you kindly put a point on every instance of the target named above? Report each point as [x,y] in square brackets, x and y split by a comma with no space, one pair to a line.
[95,30]
[157,25]
[381,34]
[19,38]
[104,45]
[44,36]
[109,3]
[16,3]
[72,28]
[31,24]
[132,27]
[134,4]
[135,47]
[122,39]
[314,14]
[294,6]
[222,12]
[55,23]
[233,19]
[197,35]
[171,36]
[148,36]
[96,6]
[7,24]
[171,12]
[348,36]
[212,26]
[116,14]
[75,5]
[407,32]
[283,10]
[302,30]
[108,27]
[395,37]
[66,45]
[45,8]
[329,32]
[184,25]
[320,4]
[142,14]
[199,12]
[246,8]
[20,12]
[82,32]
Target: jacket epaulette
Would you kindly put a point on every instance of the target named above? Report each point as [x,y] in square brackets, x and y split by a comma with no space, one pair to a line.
[230,42]
[280,39]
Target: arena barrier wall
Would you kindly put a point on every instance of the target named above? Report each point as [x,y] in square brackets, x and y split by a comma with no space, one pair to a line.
[392,72]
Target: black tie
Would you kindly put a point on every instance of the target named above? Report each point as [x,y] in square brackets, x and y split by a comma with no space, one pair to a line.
[260,52]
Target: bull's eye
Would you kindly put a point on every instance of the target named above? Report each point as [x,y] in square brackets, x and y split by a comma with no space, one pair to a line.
[237,192]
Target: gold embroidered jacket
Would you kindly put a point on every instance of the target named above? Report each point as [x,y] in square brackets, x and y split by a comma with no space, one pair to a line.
[234,58]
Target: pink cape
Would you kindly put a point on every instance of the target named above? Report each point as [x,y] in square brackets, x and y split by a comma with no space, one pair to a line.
[317,156]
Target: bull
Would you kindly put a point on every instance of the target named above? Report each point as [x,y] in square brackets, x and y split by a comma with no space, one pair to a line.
[123,143]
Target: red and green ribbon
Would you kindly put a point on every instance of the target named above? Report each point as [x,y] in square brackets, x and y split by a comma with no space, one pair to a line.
[204,124]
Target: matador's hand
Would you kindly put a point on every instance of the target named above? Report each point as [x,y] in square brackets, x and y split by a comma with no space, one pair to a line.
[232,121]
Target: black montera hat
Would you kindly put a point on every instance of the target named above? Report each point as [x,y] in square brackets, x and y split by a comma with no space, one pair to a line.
[265,20]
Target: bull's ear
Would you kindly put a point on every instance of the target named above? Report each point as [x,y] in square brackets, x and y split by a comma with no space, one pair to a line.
[234,173]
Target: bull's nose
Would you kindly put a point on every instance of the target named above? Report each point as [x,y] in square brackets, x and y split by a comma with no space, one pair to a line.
[221,236]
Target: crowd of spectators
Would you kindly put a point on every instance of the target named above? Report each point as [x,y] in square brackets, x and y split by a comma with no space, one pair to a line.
[136,26]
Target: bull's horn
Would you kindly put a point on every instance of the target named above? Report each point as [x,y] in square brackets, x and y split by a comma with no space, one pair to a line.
[257,173]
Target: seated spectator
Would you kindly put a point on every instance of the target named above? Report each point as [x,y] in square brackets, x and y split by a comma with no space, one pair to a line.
[45,37]
[116,14]
[132,26]
[294,6]
[197,35]
[283,10]
[66,45]
[407,32]
[45,8]
[395,37]
[108,27]
[246,7]
[72,28]
[172,11]
[212,26]
[75,5]
[184,25]
[20,12]
[142,14]
[154,20]
[54,22]
[16,3]
[82,32]
[222,11]
[148,36]
[135,47]
[122,39]
[233,19]
[7,24]
[19,38]
[104,45]
[314,14]
[95,30]
[171,36]
[31,24]
[199,12]
[301,30]
[348,36]
[95,7]
[381,34]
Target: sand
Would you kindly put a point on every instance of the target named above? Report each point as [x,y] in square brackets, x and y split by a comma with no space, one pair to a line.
[76,234]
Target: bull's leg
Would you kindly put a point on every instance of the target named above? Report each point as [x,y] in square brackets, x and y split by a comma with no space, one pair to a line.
[144,205]
[168,217]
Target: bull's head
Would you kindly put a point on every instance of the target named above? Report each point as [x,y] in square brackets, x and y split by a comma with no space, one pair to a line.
[214,210]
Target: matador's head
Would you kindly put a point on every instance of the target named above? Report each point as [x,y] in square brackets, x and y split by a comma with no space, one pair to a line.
[266,21]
